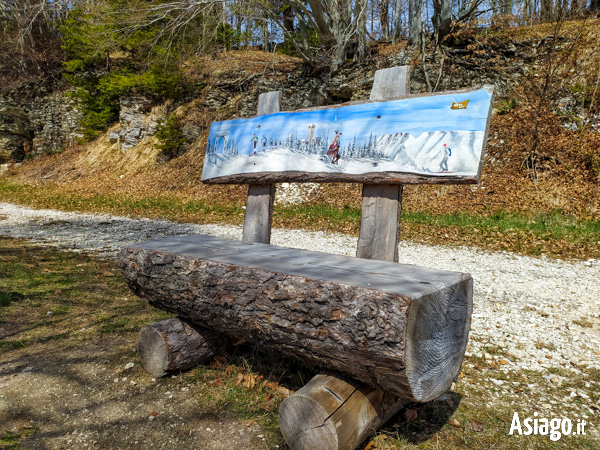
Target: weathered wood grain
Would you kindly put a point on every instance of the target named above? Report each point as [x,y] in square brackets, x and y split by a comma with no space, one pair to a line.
[380,222]
[392,83]
[259,207]
[328,177]
[331,412]
[174,345]
[399,328]
[259,213]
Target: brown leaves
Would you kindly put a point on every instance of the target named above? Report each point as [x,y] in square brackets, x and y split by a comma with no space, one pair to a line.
[247,380]
[253,381]
[219,360]
[455,423]
[476,426]
[411,414]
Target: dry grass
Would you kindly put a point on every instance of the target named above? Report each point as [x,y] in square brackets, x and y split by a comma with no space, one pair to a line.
[240,61]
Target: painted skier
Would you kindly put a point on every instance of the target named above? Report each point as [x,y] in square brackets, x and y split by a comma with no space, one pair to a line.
[271,143]
[254,141]
[334,148]
[447,152]
[264,142]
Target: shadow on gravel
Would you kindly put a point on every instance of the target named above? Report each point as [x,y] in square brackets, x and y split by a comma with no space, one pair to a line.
[419,422]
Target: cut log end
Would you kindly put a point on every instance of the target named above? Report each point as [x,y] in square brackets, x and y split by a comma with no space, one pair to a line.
[303,423]
[437,337]
[152,350]
[174,345]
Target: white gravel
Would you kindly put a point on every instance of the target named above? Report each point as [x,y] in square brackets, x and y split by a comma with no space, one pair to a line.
[543,312]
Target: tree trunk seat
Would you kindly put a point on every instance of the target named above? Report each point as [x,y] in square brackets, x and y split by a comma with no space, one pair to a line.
[396,327]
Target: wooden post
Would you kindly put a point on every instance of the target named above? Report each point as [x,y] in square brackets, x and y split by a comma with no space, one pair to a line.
[382,203]
[305,419]
[259,207]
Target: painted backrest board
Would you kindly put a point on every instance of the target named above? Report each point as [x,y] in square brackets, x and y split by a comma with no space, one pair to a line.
[437,138]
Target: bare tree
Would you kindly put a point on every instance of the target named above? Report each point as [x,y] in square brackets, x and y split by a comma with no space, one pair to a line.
[415,22]
[441,19]
[397,32]
[30,48]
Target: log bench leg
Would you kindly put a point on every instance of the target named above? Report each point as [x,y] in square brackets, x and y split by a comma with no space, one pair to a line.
[333,413]
[174,345]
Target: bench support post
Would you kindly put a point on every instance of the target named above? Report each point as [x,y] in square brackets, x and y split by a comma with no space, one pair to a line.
[259,208]
[380,222]
[382,203]
[331,412]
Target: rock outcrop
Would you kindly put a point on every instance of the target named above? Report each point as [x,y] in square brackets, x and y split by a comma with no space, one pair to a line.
[15,131]
[137,122]
[38,126]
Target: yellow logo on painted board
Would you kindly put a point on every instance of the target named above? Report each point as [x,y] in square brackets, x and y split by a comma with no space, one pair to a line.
[459,105]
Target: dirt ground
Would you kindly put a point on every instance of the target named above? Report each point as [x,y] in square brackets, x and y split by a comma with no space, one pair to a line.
[69,374]
[79,398]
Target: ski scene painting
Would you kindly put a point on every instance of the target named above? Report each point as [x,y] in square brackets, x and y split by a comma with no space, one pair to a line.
[429,136]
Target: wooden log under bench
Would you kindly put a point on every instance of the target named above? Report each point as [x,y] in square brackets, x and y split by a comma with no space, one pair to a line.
[396,327]
[173,345]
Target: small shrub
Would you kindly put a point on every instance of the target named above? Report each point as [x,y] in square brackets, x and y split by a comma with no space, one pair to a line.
[170,135]
[507,106]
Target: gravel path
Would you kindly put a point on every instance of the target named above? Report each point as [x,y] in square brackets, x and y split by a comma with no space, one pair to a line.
[544,313]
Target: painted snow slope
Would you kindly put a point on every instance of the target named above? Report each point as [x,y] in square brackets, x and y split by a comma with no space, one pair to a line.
[418,155]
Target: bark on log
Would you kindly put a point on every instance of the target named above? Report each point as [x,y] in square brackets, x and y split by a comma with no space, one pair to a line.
[339,177]
[399,328]
[174,345]
[334,413]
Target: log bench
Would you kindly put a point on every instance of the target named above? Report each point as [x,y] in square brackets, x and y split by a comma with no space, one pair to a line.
[383,333]
[396,327]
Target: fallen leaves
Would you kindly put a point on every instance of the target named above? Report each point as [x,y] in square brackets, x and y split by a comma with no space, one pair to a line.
[477,426]
[455,423]
[411,414]
[246,380]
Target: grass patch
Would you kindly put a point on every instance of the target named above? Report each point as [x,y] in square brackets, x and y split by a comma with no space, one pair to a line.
[154,206]
[552,234]
[57,295]
[12,440]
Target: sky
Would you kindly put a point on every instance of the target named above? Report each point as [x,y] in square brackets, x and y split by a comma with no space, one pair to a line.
[412,115]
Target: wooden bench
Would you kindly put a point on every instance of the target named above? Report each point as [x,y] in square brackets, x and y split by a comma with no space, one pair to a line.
[389,333]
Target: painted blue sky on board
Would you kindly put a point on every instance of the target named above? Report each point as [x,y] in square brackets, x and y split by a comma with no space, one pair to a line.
[413,115]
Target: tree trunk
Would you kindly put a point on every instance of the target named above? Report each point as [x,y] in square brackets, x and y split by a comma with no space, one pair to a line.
[397,32]
[415,22]
[174,345]
[441,19]
[399,328]
[360,16]
[384,16]
[547,10]
[578,8]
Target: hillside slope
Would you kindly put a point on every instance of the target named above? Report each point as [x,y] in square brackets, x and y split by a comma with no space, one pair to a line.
[543,152]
